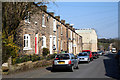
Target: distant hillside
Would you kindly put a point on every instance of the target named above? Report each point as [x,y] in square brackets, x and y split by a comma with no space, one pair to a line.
[104,43]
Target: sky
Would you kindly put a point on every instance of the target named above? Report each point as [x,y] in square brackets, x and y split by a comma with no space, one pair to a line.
[102,16]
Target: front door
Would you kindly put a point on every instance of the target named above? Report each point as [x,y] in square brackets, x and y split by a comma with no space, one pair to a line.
[36,44]
[51,45]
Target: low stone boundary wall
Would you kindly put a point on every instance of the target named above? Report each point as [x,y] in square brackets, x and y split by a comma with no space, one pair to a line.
[29,65]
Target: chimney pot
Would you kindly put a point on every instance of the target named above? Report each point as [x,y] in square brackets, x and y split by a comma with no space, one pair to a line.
[57,17]
[51,13]
[43,7]
[63,21]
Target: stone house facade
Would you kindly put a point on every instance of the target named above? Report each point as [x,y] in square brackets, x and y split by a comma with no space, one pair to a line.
[89,39]
[41,29]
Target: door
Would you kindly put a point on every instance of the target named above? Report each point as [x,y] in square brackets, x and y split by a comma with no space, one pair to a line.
[36,44]
[51,45]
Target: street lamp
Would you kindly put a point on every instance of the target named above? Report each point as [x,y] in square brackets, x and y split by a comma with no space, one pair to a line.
[57,38]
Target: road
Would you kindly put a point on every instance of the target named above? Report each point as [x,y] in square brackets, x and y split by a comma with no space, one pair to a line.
[103,67]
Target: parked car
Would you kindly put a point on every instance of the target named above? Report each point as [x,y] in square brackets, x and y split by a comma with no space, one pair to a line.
[83,57]
[118,58]
[114,50]
[100,53]
[95,55]
[90,54]
[65,60]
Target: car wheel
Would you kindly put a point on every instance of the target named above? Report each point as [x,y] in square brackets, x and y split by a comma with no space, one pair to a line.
[92,59]
[88,61]
[71,68]
[53,69]
[77,66]
[96,57]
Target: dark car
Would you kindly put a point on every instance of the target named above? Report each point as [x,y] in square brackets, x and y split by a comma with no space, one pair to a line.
[90,54]
[118,57]
[65,61]
[95,55]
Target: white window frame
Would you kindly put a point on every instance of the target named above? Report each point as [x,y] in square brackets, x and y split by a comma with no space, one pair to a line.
[61,45]
[43,42]
[54,41]
[71,35]
[54,25]
[61,30]
[51,44]
[43,20]
[27,20]
[27,45]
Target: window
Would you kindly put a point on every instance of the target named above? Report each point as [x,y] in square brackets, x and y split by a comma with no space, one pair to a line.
[54,41]
[43,20]
[61,30]
[83,54]
[27,18]
[61,44]
[26,42]
[71,35]
[43,41]
[62,56]
[78,39]
[72,56]
[54,25]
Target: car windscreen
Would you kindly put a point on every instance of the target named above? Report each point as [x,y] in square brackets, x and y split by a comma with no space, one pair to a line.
[96,53]
[82,54]
[93,52]
[113,50]
[87,52]
[63,56]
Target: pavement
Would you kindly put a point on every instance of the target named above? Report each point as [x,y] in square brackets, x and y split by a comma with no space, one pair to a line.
[103,67]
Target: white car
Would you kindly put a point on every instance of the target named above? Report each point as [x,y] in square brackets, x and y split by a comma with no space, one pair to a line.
[113,50]
[83,57]
[100,53]
[66,61]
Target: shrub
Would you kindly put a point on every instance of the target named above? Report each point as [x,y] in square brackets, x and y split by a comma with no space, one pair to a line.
[18,60]
[46,51]
[25,58]
[14,61]
[35,58]
[51,56]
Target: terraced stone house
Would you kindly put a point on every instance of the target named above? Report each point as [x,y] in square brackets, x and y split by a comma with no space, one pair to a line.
[41,29]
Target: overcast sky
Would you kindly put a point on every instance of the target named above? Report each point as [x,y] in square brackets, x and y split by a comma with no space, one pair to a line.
[102,16]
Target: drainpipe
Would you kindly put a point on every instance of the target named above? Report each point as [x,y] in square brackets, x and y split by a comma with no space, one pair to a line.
[57,38]
[67,38]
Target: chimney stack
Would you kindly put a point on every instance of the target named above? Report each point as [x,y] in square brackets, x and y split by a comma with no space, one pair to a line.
[70,27]
[63,21]
[74,29]
[51,13]
[67,24]
[43,7]
[57,17]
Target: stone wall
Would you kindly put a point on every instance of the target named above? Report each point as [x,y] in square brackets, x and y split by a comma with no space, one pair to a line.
[29,65]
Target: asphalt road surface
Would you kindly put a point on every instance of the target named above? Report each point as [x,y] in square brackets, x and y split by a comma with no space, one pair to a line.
[103,67]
